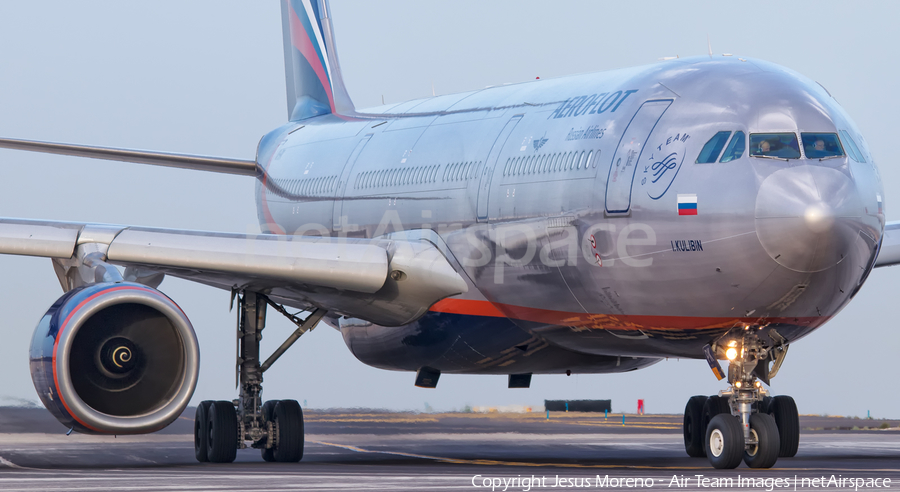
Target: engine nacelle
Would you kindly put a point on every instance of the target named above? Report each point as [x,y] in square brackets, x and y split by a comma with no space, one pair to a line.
[115,358]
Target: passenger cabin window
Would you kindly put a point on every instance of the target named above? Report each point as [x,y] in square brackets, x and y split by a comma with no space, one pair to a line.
[851,147]
[821,145]
[535,164]
[774,145]
[710,152]
[735,148]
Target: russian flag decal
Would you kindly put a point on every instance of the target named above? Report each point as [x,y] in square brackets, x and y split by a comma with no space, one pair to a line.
[687,204]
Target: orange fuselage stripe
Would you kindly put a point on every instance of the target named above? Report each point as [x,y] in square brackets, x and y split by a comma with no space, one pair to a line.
[605,321]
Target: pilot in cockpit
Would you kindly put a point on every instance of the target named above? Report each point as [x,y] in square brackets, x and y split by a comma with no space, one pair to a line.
[817,149]
[775,145]
[819,146]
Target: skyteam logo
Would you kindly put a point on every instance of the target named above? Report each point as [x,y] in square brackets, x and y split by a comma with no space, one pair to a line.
[661,165]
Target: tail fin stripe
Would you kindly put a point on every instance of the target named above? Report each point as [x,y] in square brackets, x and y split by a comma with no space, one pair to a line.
[315,32]
[313,8]
[302,41]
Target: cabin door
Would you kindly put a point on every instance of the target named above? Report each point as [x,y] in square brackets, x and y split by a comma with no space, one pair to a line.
[342,184]
[628,153]
[487,171]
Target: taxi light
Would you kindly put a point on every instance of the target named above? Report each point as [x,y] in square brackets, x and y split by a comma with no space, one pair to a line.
[758,384]
[731,353]
[737,384]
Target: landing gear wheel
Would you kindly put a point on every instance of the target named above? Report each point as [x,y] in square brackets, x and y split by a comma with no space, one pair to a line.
[693,427]
[222,439]
[762,406]
[714,406]
[289,431]
[764,453]
[784,410]
[268,413]
[724,442]
[201,431]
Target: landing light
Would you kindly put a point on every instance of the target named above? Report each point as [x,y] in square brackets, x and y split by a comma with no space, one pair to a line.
[737,384]
[731,353]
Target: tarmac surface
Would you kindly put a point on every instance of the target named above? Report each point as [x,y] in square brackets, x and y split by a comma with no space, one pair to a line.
[375,450]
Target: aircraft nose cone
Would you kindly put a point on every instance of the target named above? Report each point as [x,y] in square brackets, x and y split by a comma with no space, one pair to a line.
[808,217]
[819,217]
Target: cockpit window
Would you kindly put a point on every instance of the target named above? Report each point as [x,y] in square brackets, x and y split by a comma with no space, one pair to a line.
[735,148]
[774,145]
[712,149]
[821,145]
[852,149]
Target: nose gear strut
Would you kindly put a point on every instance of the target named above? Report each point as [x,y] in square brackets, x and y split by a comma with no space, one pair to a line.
[743,421]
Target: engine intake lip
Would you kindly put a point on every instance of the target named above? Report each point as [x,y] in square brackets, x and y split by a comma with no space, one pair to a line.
[149,419]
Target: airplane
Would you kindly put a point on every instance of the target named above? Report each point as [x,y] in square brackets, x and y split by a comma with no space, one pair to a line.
[584,272]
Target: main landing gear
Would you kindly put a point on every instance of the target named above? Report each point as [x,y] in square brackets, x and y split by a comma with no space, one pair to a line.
[276,427]
[743,422]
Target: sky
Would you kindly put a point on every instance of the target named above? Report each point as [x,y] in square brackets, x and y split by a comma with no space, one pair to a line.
[207,77]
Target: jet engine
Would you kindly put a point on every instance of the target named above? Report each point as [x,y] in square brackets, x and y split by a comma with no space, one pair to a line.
[115,358]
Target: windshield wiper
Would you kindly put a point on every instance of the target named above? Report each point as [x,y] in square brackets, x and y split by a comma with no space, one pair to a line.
[771,157]
[829,157]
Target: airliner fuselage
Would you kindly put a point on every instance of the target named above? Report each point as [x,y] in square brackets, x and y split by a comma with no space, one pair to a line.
[643,212]
[710,207]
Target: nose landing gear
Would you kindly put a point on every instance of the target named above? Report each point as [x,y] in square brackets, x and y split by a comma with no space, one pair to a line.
[276,427]
[743,422]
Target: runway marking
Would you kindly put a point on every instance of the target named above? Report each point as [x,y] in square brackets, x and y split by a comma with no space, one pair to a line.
[461,461]
[486,462]
[366,420]
[10,464]
[633,421]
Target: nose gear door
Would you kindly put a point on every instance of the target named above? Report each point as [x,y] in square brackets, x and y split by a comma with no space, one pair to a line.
[624,162]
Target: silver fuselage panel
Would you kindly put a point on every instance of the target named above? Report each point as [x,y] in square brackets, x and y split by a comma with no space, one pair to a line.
[567,204]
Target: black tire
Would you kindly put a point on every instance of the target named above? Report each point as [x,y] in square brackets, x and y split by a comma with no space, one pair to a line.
[289,432]
[763,405]
[787,419]
[765,453]
[724,442]
[201,431]
[268,414]
[714,406]
[222,444]
[693,427]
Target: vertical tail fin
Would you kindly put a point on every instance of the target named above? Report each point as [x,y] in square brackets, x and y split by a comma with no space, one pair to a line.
[312,72]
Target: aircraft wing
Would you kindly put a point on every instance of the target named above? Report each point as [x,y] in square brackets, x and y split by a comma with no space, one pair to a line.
[386,281]
[889,253]
[165,159]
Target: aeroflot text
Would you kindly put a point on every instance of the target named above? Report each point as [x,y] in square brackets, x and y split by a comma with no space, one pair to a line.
[769,484]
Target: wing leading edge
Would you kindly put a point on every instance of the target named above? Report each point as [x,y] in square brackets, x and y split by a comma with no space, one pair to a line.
[386,281]
[166,159]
